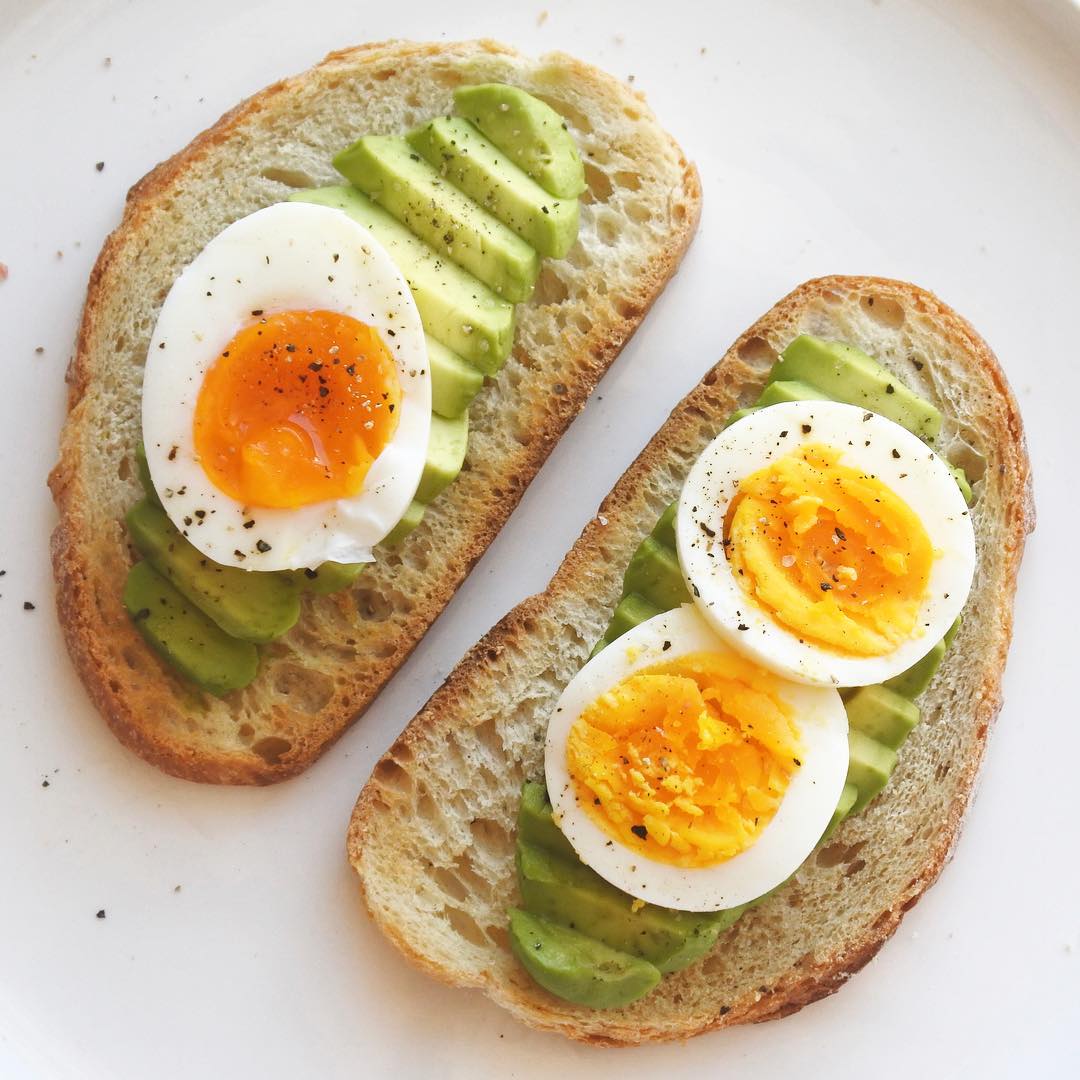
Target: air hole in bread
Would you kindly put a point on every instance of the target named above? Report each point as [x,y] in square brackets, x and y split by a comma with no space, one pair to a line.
[583,322]
[132,658]
[638,212]
[757,352]
[837,853]
[599,183]
[962,453]
[883,310]
[123,470]
[607,229]
[550,288]
[855,867]
[627,308]
[294,178]
[386,73]
[489,836]
[272,748]
[412,99]
[246,732]
[121,343]
[631,114]
[378,607]
[308,690]
[466,926]
[450,883]
[678,213]
[942,770]
[629,180]
[486,734]
[389,774]
[575,116]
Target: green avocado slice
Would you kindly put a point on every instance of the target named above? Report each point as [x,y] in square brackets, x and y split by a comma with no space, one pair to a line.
[576,967]
[392,174]
[190,641]
[457,150]
[530,131]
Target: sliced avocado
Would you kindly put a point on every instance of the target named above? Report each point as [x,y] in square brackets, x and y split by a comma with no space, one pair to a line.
[447,443]
[455,308]
[845,373]
[531,132]
[457,150]
[654,573]
[911,683]
[390,172]
[882,714]
[664,530]
[848,797]
[193,644]
[578,968]
[776,393]
[331,577]
[569,893]
[409,520]
[247,605]
[454,382]
[870,764]
[142,468]
[535,824]
[632,609]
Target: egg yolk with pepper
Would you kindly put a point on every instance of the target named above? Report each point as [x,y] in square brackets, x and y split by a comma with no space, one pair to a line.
[830,552]
[296,408]
[686,761]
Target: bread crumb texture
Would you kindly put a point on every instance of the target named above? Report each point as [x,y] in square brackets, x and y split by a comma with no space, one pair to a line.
[433,831]
[637,217]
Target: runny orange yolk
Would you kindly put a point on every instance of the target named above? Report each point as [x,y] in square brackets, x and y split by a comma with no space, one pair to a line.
[832,553]
[686,761]
[296,408]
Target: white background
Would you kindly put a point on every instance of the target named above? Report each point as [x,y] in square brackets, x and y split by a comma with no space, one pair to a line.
[939,143]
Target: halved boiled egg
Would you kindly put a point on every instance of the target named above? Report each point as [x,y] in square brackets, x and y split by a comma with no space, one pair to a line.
[827,543]
[287,398]
[687,775]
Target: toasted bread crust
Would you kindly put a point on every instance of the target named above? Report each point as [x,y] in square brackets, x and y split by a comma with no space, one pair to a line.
[127,683]
[736,380]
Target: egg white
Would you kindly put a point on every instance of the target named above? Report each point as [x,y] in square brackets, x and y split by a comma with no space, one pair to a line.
[783,844]
[290,256]
[867,441]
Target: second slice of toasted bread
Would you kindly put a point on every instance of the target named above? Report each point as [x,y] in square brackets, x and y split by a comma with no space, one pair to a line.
[637,218]
[432,835]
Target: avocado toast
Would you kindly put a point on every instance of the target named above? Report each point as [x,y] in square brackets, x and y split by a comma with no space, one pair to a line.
[637,215]
[446,846]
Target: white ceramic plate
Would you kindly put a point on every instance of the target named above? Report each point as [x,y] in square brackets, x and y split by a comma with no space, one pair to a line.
[939,143]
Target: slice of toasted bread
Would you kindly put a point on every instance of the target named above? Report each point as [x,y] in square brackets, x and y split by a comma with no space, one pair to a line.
[432,835]
[637,218]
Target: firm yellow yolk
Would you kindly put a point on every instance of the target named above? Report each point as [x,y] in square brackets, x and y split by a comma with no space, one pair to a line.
[832,553]
[686,761]
[296,408]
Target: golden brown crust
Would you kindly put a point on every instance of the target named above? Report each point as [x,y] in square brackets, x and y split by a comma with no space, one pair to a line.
[132,693]
[735,379]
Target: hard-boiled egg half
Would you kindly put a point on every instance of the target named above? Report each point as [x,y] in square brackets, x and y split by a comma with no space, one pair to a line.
[686,774]
[827,543]
[287,398]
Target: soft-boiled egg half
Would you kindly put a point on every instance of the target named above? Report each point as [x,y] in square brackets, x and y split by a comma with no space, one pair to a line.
[687,775]
[827,543]
[287,398]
